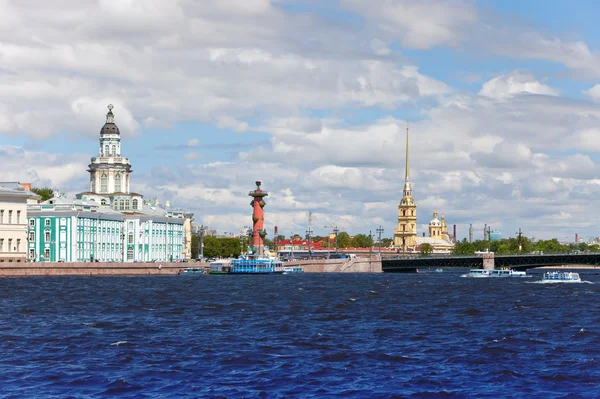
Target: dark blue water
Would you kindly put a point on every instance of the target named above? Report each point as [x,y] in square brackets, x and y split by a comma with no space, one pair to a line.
[307,336]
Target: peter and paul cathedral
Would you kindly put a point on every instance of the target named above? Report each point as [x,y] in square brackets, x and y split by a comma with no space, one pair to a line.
[405,235]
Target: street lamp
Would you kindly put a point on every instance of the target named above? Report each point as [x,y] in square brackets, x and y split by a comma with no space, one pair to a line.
[308,235]
[519,234]
[379,230]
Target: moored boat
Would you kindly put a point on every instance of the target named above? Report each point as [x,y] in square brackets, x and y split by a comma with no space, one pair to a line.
[561,277]
[256,266]
[220,267]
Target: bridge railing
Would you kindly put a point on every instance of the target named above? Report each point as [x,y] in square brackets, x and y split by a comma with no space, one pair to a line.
[447,256]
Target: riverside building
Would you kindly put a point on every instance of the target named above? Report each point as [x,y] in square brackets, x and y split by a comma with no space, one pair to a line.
[108,223]
[14,198]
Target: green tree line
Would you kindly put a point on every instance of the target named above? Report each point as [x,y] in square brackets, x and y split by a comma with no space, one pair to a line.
[511,246]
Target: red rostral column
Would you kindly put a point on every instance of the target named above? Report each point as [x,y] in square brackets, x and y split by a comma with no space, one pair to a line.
[258,219]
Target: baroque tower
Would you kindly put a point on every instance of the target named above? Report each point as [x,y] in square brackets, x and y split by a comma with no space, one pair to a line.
[405,234]
[109,171]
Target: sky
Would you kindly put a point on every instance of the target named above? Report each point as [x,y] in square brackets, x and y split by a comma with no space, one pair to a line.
[312,97]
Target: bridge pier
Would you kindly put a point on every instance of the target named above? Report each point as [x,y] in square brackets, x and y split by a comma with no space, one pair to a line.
[488,261]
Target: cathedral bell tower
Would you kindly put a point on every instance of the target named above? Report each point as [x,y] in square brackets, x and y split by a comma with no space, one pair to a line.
[405,234]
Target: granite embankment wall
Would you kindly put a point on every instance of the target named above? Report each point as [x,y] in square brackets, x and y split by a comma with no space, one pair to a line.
[359,265]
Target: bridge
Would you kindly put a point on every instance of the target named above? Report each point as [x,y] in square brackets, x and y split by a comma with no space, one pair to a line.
[517,262]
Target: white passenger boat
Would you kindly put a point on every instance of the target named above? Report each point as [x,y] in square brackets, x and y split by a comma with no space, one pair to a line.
[561,277]
[478,273]
[496,273]
[508,273]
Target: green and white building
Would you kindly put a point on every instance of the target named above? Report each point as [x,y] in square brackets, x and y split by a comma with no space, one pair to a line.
[108,223]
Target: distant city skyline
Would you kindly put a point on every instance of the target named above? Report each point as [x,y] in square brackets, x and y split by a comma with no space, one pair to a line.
[312,99]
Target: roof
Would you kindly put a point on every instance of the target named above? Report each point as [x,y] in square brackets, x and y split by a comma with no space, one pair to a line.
[15,189]
[434,242]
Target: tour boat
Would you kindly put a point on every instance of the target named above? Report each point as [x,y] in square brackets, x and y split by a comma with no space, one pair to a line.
[507,273]
[561,277]
[496,273]
[478,273]
[257,265]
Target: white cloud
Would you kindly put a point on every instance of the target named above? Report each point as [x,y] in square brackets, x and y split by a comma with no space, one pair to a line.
[513,84]
[418,24]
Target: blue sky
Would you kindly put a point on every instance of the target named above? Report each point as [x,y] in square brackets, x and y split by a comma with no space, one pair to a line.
[312,98]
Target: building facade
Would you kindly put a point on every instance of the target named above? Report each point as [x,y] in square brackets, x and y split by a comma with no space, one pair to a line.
[13,220]
[107,223]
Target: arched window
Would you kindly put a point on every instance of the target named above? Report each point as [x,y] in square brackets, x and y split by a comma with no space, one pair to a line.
[135,204]
[114,149]
[118,187]
[122,205]
[106,150]
[103,201]
[403,212]
[104,183]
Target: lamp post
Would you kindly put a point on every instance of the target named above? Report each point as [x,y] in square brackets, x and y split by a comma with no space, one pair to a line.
[308,235]
[379,231]
[519,234]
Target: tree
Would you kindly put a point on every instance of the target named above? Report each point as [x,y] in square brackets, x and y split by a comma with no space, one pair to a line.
[343,240]
[426,249]
[221,247]
[46,193]
[195,246]
[361,241]
[464,248]
[386,242]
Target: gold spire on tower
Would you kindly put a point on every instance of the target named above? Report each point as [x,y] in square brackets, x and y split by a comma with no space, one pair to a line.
[407,175]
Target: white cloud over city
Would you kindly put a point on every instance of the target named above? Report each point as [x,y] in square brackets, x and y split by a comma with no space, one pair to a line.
[326,92]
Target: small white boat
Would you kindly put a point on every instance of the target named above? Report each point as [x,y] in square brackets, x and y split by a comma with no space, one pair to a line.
[561,277]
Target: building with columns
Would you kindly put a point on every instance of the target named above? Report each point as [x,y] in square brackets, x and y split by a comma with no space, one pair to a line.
[405,234]
[108,223]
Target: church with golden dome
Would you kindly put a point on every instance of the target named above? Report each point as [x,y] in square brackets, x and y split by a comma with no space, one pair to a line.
[405,235]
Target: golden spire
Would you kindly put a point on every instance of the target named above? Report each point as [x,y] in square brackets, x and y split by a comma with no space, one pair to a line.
[407,175]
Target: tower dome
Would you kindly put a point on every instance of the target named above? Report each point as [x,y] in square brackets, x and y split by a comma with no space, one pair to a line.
[435,221]
[110,127]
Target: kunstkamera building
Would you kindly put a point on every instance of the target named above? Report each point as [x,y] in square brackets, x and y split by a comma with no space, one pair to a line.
[108,223]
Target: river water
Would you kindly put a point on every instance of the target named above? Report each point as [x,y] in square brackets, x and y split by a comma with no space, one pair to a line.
[299,336]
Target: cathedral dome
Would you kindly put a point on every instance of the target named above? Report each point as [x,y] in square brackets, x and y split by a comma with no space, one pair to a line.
[435,222]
